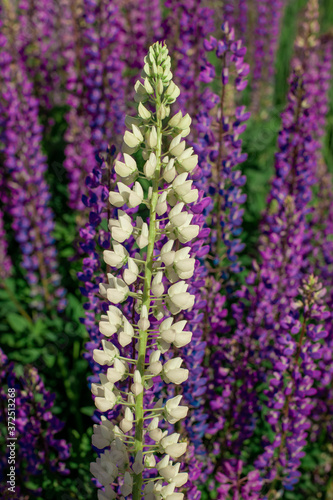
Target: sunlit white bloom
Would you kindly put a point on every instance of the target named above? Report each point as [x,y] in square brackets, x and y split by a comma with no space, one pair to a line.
[121,228]
[144,113]
[117,372]
[155,365]
[143,322]
[105,396]
[188,164]
[179,298]
[116,258]
[126,168]
[171,446]
[131,273]
[154,432]
[157,286]
[107,355]
[173,411]
[150,166]
[137,386]
[125,334]
[169,172]
[142,233]
[117,291]
[173,373]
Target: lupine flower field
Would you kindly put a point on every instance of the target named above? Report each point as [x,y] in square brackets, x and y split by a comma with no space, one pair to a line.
[166,254]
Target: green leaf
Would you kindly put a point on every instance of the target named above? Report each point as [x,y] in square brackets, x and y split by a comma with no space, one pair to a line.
[18,323]
[88,410]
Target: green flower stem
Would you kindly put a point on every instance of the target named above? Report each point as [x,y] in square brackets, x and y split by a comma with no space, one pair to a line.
[139,411]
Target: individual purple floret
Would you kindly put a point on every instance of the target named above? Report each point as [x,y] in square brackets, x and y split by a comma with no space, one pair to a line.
[37,448]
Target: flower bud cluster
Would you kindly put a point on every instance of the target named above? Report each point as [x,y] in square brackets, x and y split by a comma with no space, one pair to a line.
[150,264]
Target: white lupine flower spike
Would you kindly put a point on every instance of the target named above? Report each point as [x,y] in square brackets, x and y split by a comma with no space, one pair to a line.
[149,264]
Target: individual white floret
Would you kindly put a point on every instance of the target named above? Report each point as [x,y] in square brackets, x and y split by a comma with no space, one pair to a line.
[169,444]
[127,168]
[157,286]
[104,469]
[121,228]
[137,386]
[173,373]
[151,138]
[141,232]
[144,113]
[107,355]
[116,258]
[179,298]
[117,291]
[150,166]
[174,412]
[132,197]
[131,273]
[127,422]
[183,264]
[143,322]
[117,372]
[125,334]
[177,146]
[155,433]
[103,433]
[182,190]
[105,394]
[155,365]
[169,171]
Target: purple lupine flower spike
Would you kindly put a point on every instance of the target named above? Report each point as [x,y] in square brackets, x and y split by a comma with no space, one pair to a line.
[39,47]
[267,32]
[142,23]
[25,166]
[5,261]
[187,26]
[37,447]
[220,151]
[220,146]
[79,152]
